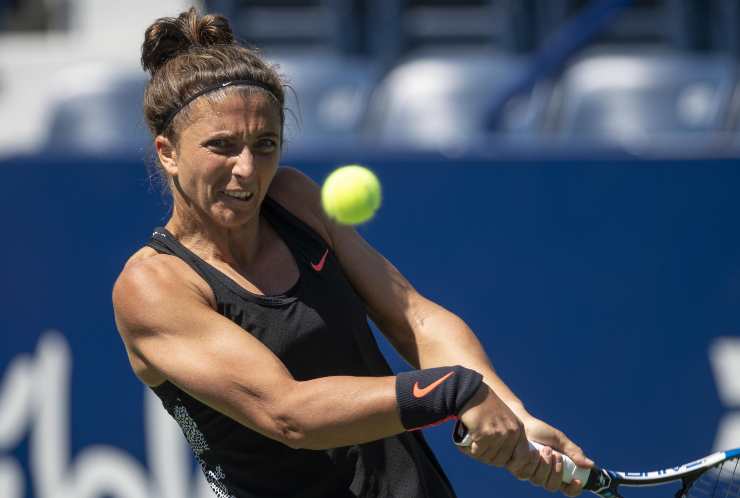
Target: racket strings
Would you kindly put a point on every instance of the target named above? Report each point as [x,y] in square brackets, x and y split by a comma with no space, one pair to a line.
[720,481]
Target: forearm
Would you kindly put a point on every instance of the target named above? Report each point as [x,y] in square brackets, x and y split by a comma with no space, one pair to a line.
[439,337]
[338,411]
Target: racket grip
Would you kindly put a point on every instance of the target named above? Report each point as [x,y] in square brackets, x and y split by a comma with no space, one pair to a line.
[570,469]
[461,437]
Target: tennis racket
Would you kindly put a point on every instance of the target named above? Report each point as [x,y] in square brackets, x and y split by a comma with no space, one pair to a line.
[714,476]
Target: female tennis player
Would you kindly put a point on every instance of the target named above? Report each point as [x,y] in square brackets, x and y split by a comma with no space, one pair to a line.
[247,312]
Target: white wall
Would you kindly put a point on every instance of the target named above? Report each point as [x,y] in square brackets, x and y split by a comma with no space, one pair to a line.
[105,37]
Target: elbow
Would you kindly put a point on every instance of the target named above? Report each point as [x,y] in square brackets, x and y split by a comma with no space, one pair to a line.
[297,423]
[299,432]
[288,431]
[288,421]
[291,433]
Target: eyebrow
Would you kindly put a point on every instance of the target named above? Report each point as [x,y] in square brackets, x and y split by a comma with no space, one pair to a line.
[229,134]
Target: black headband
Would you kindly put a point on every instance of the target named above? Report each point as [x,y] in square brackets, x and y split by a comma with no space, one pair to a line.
[212,88]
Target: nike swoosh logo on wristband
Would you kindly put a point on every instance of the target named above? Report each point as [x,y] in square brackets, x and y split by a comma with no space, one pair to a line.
[420,392]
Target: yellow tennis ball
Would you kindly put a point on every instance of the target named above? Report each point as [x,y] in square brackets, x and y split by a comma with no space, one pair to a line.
[351,194]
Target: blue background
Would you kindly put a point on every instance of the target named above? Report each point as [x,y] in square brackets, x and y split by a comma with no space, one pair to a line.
[596,287]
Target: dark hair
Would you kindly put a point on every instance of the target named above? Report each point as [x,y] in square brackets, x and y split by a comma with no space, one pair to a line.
[188,54]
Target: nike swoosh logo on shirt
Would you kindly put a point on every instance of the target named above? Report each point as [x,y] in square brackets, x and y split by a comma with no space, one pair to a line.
[320,265]
[420,392]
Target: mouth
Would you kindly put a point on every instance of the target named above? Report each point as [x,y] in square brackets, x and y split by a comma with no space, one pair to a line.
[238,195]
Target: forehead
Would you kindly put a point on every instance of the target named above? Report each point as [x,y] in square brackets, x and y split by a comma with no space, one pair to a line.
[235,109]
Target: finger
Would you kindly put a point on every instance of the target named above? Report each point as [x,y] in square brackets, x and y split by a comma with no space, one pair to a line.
[519,454]
[526,472]
[574,488]
[524,469]
[555,479]
[544,468]
[481,453]
[487,457]
[476,450]
[468,451]
[511,448]
[501,457]
[496,446]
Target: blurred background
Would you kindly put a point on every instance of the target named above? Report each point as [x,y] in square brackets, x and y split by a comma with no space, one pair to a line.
[560,173]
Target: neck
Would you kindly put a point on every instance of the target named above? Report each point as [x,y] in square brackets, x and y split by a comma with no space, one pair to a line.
[237,246]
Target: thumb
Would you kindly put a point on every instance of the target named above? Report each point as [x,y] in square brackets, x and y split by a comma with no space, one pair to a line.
[568,447]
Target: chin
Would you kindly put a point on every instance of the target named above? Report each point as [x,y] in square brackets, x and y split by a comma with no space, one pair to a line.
[231,220]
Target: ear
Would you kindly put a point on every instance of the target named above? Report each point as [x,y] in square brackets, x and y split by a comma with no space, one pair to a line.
[167,154]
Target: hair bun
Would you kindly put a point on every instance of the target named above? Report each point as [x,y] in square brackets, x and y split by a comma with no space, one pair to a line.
[169,36]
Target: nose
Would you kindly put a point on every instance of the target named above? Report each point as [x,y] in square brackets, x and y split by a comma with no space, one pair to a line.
[244,165]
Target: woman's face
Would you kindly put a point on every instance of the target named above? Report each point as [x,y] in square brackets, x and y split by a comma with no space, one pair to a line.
[226,157]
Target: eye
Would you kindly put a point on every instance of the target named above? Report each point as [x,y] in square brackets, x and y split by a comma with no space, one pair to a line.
[218,143]
[266,145]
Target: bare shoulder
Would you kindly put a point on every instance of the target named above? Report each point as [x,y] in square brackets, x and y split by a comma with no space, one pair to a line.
[147,281]
[301,195]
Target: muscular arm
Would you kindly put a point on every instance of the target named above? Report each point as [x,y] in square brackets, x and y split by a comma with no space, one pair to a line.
[423,332]
[428,335]
[443,337]
[170,328]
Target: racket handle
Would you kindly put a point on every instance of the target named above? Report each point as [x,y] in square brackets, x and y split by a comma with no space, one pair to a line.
[571,471]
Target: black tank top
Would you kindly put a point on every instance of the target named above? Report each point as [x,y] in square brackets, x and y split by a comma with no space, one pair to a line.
[317,328]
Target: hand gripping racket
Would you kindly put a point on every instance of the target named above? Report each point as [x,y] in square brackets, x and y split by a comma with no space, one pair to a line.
[714,476]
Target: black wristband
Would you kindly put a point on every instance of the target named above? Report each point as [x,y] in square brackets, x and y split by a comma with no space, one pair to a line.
[434,395]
